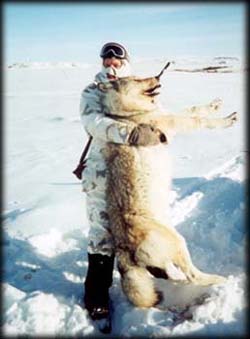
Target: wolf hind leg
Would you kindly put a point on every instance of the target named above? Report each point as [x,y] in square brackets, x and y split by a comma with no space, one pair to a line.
[197,277]
[193,274]
[205,279]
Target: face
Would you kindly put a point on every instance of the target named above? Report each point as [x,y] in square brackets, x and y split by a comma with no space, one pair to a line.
[114,62]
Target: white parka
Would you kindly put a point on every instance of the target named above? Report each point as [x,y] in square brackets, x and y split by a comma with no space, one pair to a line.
[103,129]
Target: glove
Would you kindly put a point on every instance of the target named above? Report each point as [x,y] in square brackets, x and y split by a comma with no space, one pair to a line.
[146,135]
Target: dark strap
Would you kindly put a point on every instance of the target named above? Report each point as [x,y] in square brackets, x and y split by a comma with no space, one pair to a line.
[82,162]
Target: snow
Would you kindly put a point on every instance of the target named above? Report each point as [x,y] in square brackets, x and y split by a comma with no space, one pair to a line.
[46,65]
[45,223]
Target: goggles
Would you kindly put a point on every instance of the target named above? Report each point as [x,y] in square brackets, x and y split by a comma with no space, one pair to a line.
[115,50]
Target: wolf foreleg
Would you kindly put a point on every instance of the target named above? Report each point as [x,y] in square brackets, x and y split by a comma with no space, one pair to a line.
[177,124]
[203,110]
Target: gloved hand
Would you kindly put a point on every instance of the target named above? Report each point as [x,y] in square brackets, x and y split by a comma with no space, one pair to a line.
[146,135]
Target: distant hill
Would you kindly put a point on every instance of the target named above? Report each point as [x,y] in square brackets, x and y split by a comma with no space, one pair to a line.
[216,64]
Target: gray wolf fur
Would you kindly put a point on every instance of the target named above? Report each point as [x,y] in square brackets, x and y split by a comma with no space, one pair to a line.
[144,245]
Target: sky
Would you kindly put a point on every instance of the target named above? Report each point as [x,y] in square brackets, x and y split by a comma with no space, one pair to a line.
[53,32]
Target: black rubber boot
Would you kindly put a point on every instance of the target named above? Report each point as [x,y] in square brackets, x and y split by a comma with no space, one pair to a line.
[97,284]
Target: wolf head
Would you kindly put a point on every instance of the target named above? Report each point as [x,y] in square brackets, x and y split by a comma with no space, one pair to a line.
[129,95]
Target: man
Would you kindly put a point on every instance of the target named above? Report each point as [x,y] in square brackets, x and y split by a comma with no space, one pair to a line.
[103,129]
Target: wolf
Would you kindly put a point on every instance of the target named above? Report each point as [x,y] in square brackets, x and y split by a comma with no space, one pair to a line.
[146,244]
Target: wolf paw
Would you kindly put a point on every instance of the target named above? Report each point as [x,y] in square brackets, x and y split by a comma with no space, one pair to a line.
[231,119]
[215,105]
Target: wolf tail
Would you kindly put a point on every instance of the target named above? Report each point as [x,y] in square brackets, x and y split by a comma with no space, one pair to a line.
[138,285]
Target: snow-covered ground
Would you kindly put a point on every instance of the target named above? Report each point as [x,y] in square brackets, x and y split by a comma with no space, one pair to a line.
[45,224]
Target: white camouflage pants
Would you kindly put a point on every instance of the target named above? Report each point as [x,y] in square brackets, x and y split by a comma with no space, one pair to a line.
[94,185]
[100,238]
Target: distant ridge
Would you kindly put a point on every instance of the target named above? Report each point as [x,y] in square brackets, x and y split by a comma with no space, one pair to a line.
[222,64]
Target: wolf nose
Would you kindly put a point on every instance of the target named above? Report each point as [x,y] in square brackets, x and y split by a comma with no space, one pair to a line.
[163,138]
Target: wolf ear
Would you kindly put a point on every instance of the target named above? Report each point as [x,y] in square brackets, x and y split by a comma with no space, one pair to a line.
[104,86]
